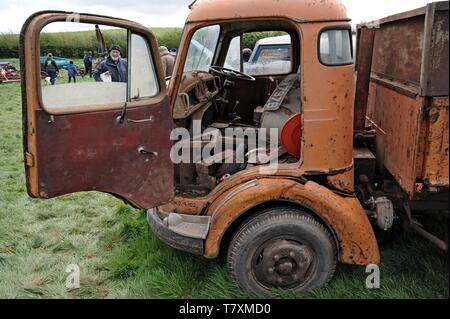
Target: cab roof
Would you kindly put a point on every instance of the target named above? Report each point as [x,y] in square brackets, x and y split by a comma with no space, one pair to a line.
[297,10]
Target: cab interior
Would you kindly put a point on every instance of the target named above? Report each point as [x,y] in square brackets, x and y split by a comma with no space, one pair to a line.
[212,98]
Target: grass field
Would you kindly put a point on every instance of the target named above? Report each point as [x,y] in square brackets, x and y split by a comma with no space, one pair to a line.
[120,258]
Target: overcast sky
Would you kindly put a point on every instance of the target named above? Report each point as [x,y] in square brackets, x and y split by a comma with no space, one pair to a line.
[170,13]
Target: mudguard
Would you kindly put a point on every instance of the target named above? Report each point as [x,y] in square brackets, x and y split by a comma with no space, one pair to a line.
[343,215]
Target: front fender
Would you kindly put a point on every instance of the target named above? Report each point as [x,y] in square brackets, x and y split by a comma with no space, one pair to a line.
[345,216]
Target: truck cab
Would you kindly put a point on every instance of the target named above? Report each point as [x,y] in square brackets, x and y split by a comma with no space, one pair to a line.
[255,165]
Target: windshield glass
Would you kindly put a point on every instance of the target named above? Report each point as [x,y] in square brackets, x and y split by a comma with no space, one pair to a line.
[201,49]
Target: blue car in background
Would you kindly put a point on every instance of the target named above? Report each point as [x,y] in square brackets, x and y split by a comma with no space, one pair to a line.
[61,62]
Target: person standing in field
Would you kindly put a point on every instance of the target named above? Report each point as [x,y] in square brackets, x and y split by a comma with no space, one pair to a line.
[72,70]
[113,69]
[88,63]
[168,61]
[51,68]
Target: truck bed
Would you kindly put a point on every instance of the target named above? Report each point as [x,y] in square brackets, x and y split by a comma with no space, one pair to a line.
[402,94]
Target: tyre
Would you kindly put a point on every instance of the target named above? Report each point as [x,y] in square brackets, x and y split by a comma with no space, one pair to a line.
[283,248]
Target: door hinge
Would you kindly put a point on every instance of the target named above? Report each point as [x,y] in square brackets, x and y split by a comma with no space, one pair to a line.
[29,159]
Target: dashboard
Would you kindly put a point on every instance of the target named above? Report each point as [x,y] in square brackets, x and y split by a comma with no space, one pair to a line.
[197,89]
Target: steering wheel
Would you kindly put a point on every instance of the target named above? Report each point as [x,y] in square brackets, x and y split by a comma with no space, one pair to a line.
[233,74]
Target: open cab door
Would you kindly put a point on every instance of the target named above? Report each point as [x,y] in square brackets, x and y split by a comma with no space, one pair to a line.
[109,132]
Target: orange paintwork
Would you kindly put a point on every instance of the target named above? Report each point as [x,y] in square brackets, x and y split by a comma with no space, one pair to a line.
[327,96]
[300,11]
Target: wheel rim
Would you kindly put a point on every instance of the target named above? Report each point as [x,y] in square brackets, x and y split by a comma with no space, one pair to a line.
[283,263]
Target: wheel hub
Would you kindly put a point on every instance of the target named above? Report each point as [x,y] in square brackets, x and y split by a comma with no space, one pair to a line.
[283,263]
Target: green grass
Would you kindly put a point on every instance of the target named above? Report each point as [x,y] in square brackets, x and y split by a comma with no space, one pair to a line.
[120,258]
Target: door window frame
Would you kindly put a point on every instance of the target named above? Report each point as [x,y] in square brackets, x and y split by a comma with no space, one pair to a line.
[46,17]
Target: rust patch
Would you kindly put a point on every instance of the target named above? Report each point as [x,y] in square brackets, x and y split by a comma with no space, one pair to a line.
[434,117]
[435,154]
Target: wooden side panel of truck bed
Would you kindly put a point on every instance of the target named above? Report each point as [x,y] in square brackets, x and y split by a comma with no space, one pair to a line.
[407,102]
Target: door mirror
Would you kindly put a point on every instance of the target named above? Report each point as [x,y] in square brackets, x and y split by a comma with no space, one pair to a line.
[335,47]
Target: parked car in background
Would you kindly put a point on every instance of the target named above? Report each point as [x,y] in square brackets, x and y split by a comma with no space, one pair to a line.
[270,54]
[61,62]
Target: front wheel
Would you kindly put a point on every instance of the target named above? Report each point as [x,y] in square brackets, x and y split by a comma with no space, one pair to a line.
[282,248]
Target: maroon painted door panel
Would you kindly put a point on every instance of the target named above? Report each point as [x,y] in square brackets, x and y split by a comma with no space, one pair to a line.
[92,151]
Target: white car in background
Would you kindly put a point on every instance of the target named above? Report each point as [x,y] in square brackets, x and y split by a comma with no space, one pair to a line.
[270,55]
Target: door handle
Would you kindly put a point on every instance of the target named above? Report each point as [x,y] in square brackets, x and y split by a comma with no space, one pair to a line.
[150,119]
[119,120]
[143,151]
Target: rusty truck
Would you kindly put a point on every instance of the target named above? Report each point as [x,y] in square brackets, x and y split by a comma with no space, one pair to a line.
[362,136]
